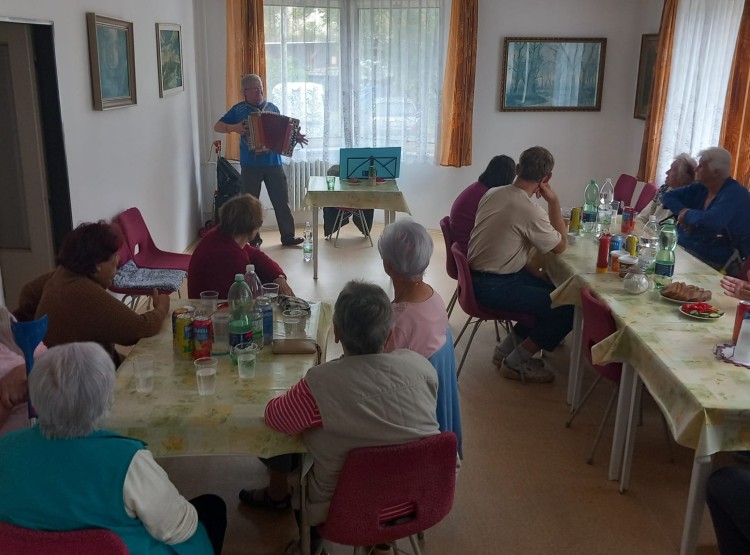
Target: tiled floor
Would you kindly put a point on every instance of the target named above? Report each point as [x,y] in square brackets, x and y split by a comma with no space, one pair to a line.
[524,487]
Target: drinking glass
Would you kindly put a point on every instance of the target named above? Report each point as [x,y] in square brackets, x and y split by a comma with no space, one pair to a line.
[209,301]
[615,211]
[246,354]
[271,291]
[220,322]
[330,182]
[292,322]
[205,374]
[144,373]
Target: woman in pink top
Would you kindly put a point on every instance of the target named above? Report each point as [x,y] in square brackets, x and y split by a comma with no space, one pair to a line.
[419,315]
[500,171]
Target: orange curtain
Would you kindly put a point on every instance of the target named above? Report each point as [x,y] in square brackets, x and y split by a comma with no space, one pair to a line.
[735,129]
[246,53]
[660,87]
[458,85]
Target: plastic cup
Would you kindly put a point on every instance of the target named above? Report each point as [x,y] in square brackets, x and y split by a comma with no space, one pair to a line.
[209,301]
[271,290]
[205,375]
[246,354]
[292,322]
[330,182]
[144,373]
[220,322]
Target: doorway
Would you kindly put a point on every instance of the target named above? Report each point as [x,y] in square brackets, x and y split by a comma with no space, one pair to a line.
[35,213]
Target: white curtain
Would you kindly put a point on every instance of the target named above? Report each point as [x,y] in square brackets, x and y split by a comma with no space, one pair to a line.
[358,73]
[705,37]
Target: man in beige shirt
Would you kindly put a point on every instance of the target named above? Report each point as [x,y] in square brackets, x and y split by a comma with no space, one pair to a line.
[508,226]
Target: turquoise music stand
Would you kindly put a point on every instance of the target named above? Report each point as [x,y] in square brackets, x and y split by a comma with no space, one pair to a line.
[27,336]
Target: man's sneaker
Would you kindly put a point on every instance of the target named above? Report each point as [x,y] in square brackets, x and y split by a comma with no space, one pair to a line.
[499,356]
[532,373]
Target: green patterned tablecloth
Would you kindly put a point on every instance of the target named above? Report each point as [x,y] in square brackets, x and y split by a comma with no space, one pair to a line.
[384,196]
[175,420]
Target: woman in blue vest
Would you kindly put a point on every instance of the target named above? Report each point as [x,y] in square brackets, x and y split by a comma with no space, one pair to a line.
[66,473]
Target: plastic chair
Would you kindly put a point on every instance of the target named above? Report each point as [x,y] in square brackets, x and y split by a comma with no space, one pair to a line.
[624,189]
[470,306]
[448,406]
[16,540]
[145,253]
[391,492]
[450,262]
[647,195]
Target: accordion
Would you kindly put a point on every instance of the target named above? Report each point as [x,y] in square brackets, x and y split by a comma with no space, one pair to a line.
[269,131]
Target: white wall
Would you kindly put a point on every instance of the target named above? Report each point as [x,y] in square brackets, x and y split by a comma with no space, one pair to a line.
[144,155]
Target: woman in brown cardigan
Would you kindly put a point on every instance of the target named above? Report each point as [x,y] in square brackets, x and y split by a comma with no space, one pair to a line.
[75,299]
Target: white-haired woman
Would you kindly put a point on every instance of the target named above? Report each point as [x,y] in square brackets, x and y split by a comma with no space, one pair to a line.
[679,174]
[66,473]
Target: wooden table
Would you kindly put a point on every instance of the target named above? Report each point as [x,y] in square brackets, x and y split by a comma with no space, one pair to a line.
[385,196]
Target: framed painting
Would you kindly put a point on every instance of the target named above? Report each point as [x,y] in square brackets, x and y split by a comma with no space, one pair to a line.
[649,45]
[169,56]
[552,74]
[112,61]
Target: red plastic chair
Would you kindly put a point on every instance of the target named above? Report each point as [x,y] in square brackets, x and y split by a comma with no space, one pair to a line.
[15,540]
[391,492]
[647,195]
[470,306]
[624,189]
[450,262]
[145,252]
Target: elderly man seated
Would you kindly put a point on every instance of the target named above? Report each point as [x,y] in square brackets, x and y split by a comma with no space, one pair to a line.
[712,213]
[679,174]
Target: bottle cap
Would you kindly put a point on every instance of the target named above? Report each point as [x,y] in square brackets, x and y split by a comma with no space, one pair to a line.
[239,277]
[250,268]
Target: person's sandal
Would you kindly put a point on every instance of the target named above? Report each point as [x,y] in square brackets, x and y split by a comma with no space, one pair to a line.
[260,499]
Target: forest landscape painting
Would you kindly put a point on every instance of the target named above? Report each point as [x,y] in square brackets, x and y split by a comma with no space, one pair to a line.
[552,74]
[169,53]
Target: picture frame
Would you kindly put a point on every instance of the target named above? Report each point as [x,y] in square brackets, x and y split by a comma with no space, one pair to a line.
[169,58]
[552,74]
[112,61]
[646,64]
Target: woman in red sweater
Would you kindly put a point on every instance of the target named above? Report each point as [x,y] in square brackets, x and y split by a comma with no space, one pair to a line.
[225,251]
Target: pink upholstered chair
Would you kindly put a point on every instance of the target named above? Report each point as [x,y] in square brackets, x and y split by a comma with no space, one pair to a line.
[470,306]
[450,262]
[647,195]
[391,492]
[15,540]
[145,253]
[624,189]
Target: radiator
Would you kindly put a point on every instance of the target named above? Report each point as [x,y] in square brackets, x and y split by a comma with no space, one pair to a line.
[296,176]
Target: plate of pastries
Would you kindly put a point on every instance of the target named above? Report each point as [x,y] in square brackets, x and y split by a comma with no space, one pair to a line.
[680,292]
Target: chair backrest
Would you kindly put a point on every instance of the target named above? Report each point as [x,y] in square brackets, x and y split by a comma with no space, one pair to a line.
[450,262]
[123,253]
[624,189]
[15,540]
[465,286]
[391,492]
[647,195]
[448,407]
[135,231]
[598,324]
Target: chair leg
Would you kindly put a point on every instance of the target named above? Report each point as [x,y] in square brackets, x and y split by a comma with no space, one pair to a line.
[468,346]
[667,436]
[337,223]
[463,329]
[585,397]
[364,223]
[610,405]
[497,333]
[414,545]
[452,302]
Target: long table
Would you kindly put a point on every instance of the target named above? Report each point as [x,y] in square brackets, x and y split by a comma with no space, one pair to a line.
[705,401]
[385,196]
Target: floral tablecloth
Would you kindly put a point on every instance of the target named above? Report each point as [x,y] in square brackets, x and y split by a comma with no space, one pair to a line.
[175,420]
[384,196]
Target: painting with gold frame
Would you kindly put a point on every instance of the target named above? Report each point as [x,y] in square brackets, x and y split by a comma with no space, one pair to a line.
[112,61]
[649,46]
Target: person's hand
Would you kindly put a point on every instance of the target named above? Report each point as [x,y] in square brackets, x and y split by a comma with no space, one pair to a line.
[240,127]
[301,139]
[13,388]
[160,302]
[737,288]
[545,191]
[284,288]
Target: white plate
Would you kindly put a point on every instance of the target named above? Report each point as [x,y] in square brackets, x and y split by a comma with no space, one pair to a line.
[704,318]
[672,300]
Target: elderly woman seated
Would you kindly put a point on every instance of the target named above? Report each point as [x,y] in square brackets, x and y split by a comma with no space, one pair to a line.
[74,296]
[679,174]
[420,321]
[66,473]
[225,251]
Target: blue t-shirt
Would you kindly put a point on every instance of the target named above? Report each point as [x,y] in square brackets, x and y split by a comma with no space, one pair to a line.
[240,112]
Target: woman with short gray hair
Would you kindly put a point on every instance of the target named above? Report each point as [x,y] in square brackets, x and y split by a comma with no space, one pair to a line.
[66,473]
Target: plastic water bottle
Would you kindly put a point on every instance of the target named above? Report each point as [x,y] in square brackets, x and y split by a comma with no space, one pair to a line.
[307,245]
[604,214]
[253,281]
[664,266]
[256,318]
[590,200]
[240,307]
[647,244]
[263,303]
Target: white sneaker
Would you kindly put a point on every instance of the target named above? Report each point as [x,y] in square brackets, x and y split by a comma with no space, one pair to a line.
[532,372]
[499,356]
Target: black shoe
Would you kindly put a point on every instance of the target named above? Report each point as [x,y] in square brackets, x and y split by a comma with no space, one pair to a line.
[257,242]
[292,241]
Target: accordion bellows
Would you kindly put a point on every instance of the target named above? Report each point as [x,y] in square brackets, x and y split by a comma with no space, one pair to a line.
[269,131]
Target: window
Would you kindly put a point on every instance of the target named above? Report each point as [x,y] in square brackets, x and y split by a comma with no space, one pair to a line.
[357,73]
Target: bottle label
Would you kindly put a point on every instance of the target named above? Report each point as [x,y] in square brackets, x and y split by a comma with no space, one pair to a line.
[588,217]
[662,269]
[235,338]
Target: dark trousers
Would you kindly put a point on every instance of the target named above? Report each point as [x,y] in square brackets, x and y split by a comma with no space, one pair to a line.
[728,498]
[278,191]
[212,513]
[522,292]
